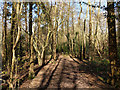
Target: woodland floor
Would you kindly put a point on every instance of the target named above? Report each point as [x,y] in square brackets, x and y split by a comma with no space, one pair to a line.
[66,72]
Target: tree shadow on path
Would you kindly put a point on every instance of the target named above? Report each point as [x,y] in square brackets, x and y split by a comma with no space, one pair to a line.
[91,68]
[68,73]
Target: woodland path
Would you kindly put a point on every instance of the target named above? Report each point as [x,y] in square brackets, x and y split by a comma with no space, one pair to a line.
[66,72]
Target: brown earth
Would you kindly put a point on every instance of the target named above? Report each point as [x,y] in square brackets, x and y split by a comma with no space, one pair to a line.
[66,72]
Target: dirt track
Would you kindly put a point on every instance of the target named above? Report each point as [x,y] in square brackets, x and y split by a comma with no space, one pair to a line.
[65,73]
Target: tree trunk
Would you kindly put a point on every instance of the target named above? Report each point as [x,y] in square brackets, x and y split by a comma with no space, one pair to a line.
[12,54]
[96,31]
[118,29]
[39,60]
[72,43]
[39,22]
[43,56]
[84,41]
[31,70]
[15,43]
[4,34]
[26,27]
[54,34]
[90,34]
[82,37]
[112,40]
[11,32]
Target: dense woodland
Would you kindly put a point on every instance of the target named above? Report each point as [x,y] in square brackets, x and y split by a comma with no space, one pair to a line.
[36,33]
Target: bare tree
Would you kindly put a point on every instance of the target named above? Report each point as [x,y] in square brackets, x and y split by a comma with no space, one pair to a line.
[14,60]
